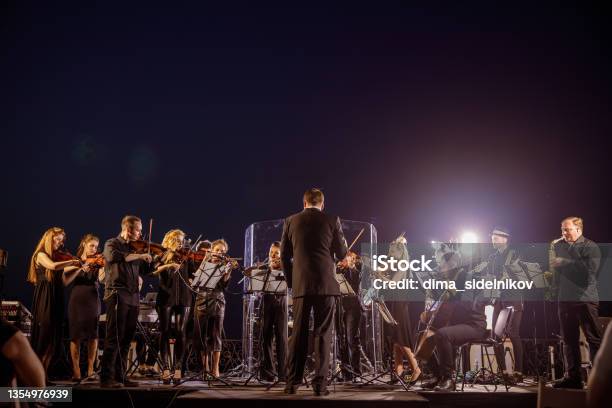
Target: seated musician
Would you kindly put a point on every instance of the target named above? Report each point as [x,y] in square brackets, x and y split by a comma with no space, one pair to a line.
[210,311]
[459,320]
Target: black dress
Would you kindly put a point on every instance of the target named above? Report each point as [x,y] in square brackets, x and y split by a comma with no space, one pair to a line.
[47,312]
[402,333]
[84,307]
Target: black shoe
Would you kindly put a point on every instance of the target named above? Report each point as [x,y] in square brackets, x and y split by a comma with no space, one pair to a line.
[290,389]
[128,383]
[445,384]
[111,384]
[518,377]
[320,391]
[266,378]
[430,384]
[569,382]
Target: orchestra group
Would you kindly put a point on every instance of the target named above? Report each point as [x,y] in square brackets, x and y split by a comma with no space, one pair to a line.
[309,256]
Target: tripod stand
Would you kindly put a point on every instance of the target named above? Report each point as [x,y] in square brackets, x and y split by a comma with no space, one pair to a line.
[147,337]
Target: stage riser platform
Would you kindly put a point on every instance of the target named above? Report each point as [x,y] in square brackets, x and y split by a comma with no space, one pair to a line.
[198,395]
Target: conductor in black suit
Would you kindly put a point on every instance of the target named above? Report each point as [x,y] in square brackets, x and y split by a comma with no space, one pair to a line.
[311,245]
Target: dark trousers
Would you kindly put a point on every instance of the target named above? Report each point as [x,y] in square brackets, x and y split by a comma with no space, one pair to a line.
[446,339]
[571,316]
[323,307]
[349,322]
[274,326]
[512,332]
[181,315]
[121,320]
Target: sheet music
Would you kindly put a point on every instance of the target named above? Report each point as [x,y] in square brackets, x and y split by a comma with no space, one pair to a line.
[208,275]
[269,281]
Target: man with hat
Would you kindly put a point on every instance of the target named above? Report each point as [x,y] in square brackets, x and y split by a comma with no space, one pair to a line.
[502,264]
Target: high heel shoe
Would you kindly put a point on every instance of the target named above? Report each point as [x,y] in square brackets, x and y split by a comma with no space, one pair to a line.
[166,378]
[413,380]
[176,379]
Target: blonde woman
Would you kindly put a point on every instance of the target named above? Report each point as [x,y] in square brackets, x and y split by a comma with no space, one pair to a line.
[400,336]
[84,305]
[173,299]
[45,273]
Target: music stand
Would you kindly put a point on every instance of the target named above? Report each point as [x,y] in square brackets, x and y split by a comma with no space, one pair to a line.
[534,273]
[267,282]
[206,278]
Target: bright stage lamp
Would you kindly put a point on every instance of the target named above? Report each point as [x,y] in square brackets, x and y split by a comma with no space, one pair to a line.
[468,237]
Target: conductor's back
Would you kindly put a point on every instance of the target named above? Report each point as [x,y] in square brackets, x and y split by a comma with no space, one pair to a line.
[312,242]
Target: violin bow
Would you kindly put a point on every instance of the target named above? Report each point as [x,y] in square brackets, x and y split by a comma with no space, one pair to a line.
[356,238]
[195,244]
[150,233]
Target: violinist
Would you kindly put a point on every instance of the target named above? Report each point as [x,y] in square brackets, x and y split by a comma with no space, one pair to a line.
[84,304]
[464,321]
[45,273]
[400,336]
[123,268]
[350,319]
[274,324]
[173,300]
[210,310]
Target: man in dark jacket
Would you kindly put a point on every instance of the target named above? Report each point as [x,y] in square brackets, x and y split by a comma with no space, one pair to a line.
[575,263]
[311,244]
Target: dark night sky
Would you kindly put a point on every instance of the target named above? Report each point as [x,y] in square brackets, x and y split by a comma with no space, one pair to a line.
[424,120]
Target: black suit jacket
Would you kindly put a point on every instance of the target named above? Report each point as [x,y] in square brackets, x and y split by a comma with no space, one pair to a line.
[312,238]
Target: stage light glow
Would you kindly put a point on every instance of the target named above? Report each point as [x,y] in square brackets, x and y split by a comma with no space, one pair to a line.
[469,237]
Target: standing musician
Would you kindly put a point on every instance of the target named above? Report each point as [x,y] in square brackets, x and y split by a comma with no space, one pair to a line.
[464,321]
[575,263]
[500,265]
[274,325]
[210,310]
[173,299]
[84,304]
[123,268]
[311,239]
[350,318]
[45,273]
[400,335]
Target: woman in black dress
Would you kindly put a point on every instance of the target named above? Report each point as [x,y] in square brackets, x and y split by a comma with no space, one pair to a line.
[400,336]
[173,299]
[45,273]
[84,305]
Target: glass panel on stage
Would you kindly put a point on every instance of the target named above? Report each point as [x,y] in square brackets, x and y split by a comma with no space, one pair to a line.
[258,237]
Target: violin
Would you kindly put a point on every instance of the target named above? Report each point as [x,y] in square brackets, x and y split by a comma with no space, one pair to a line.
[62,255]
[344,264]
[95,261]
[142,247]
[196,256]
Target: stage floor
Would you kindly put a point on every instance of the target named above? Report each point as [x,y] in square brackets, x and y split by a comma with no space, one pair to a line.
[152,393]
